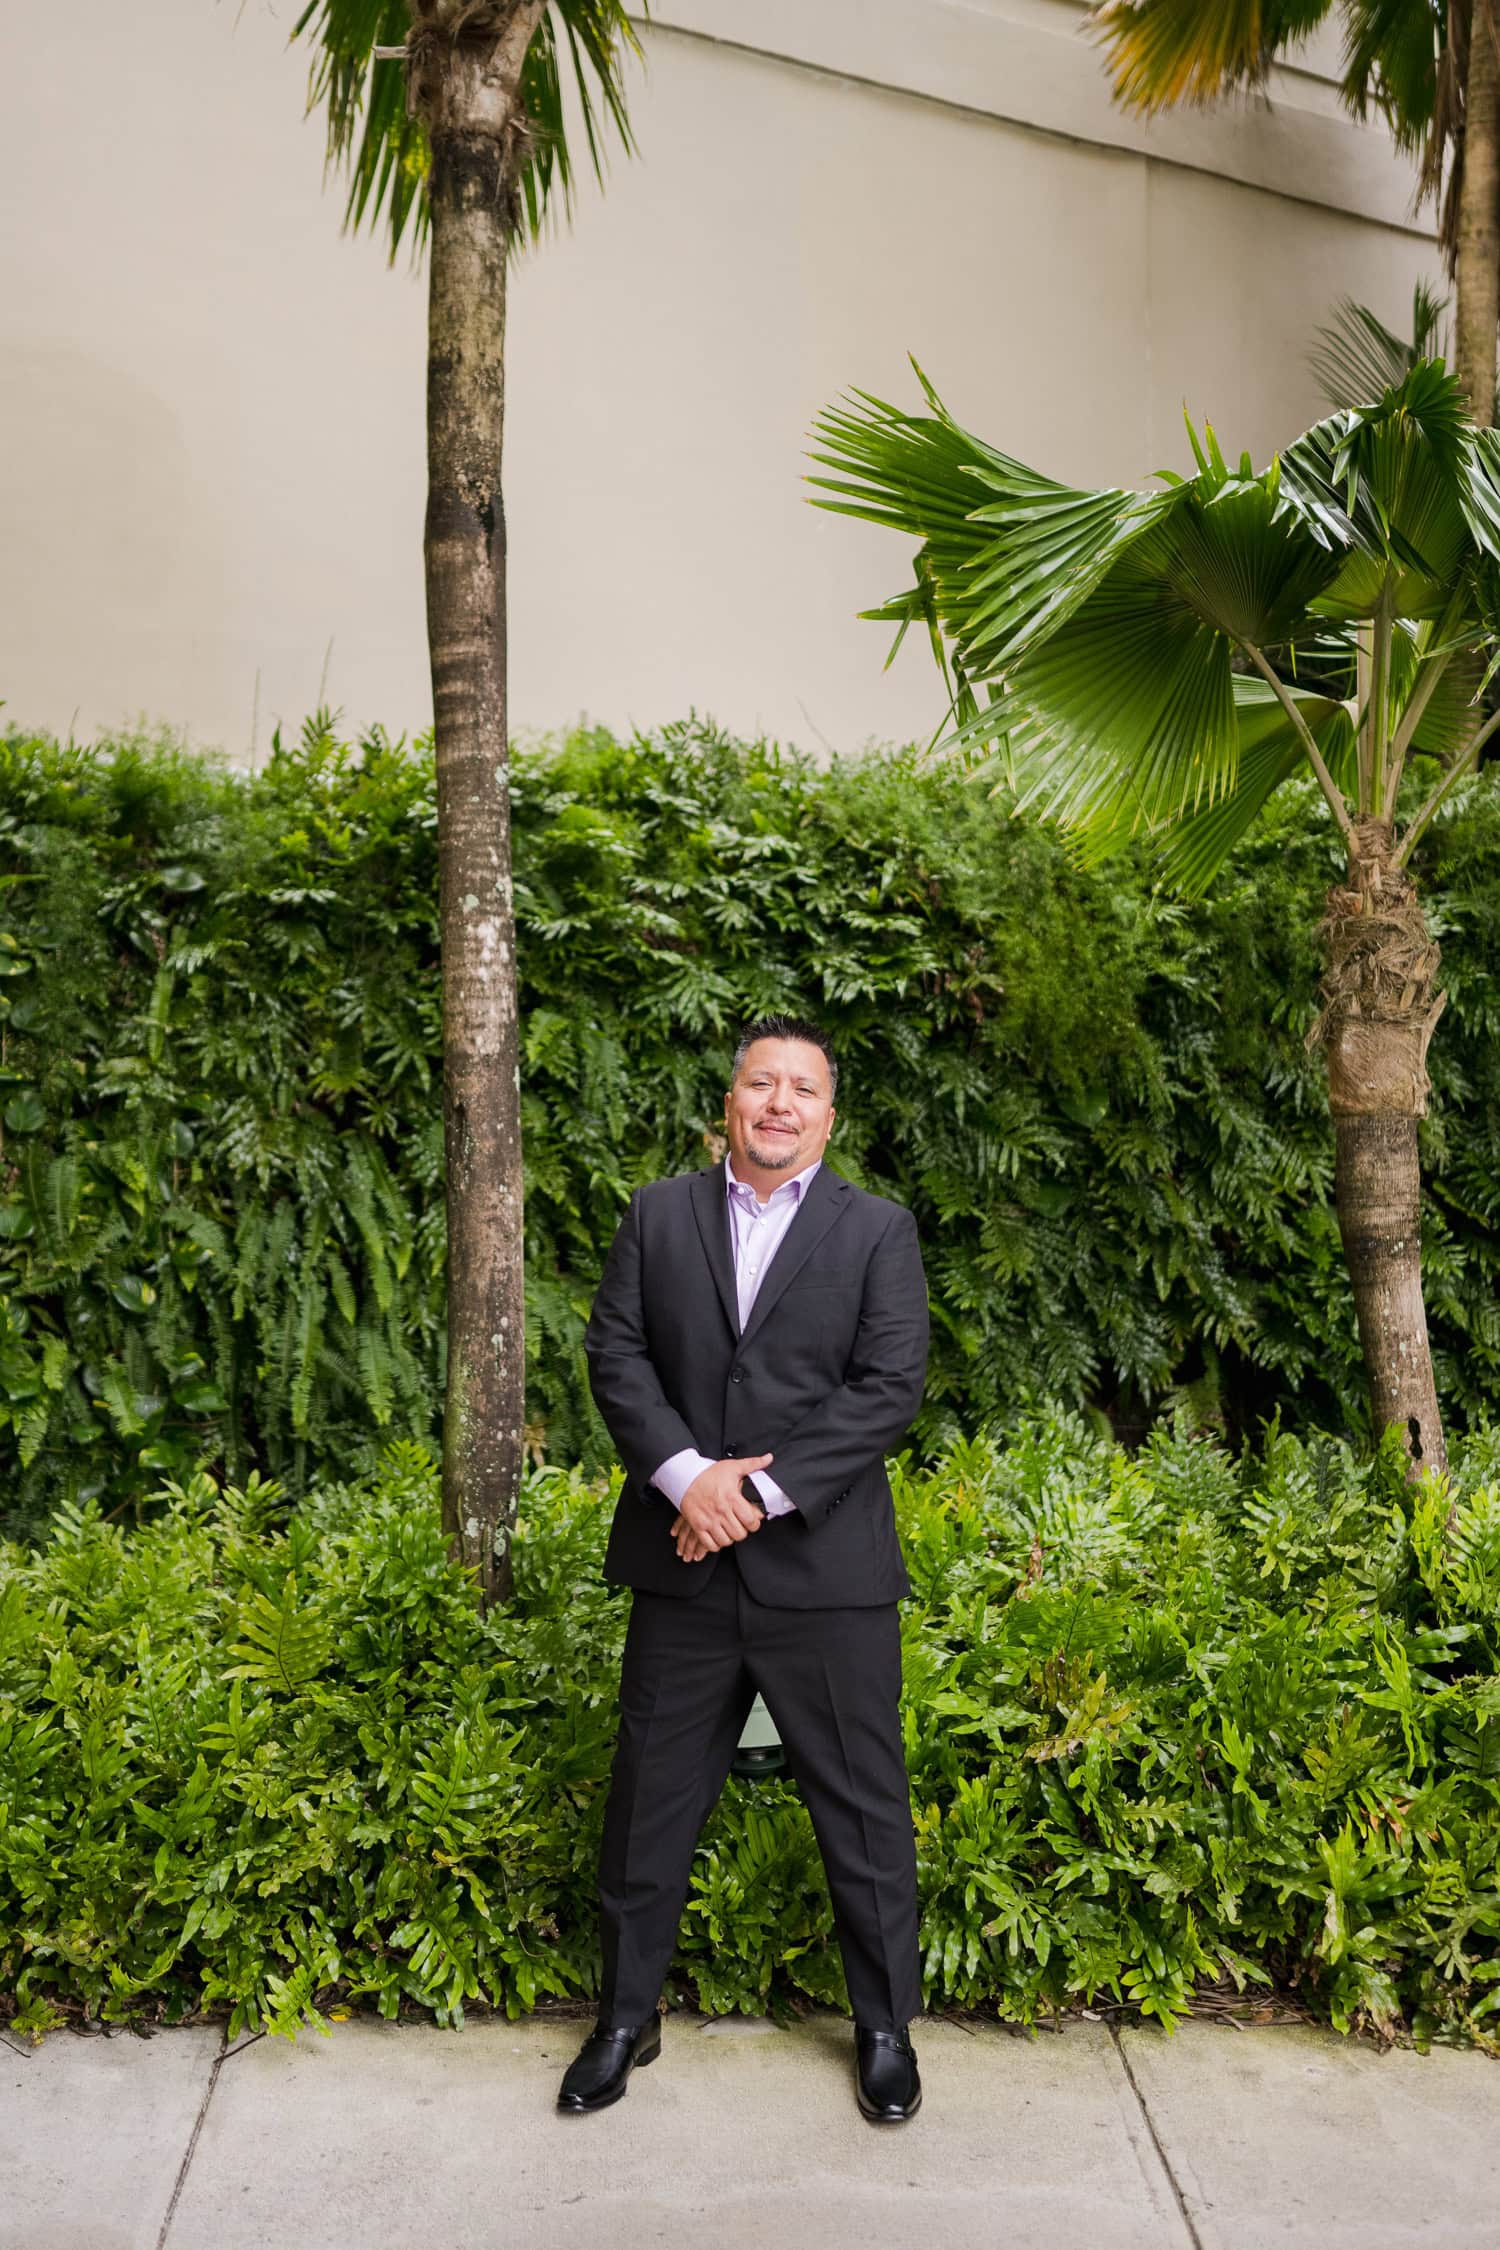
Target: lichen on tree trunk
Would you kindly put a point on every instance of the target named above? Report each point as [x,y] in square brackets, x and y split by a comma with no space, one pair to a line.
[1380,1007]
[465,69]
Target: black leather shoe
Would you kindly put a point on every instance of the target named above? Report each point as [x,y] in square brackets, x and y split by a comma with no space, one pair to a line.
[600,2071]
[886,2084]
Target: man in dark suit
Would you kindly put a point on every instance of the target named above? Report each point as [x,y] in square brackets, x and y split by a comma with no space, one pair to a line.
[757,1345]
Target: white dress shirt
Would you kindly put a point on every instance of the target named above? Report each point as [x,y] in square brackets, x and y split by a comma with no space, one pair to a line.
[757,1231]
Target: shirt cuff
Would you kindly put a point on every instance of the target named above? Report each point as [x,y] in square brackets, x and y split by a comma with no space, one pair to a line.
[674,1476]
[777,1503]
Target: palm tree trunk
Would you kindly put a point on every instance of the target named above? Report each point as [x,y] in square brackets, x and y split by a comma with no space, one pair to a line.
[1477,242]
[1378,1016]
[467,87]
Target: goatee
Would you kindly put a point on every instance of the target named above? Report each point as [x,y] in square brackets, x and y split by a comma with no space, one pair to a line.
[770,1163]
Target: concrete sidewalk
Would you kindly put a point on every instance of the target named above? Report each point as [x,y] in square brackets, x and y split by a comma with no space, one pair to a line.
[386,2138]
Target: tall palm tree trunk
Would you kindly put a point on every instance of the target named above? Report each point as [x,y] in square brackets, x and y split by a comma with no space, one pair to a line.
[1378,1016]
[465,69]
[1476,248]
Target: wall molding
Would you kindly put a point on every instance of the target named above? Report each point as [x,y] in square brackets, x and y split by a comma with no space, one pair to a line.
[1029,63]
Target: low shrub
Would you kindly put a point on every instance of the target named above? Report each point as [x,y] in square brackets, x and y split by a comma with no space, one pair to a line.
[1170,1716]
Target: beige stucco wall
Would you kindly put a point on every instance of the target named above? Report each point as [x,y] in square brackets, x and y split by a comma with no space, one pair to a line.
[211,493]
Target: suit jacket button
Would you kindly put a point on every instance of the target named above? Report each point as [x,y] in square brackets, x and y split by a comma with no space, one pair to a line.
[736,1374]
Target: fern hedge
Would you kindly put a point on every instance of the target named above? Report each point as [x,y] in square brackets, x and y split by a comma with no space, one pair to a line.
[1172,1716]
[221,1227]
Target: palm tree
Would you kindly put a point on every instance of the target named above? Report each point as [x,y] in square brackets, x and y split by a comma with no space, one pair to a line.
[1162,661]
[466,143]
[1431,68]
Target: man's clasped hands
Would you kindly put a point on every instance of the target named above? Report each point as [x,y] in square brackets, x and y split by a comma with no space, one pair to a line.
[715,1510]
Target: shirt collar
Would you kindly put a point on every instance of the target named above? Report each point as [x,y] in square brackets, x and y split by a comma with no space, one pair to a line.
[799,1181]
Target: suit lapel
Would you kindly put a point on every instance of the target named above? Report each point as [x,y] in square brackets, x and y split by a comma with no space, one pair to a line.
[822,1205]
[711,1210]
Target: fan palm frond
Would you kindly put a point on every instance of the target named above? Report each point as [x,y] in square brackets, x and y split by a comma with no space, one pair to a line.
[1117,646]
[1357,358]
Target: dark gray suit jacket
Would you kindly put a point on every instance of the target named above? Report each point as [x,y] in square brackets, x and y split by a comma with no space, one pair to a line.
[827,1376]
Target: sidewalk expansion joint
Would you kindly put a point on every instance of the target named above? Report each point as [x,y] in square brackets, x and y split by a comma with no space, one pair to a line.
[1194,2237]
[188,2153]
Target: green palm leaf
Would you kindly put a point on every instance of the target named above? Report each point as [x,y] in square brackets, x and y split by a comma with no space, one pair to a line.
[1392,51]
[1399,61]
[1196,846]
[1111,633]
[579,44]
[1166,51]
[1357,357]
[1438,663]
[1397,483]
[1161,52]
[1109,620]
[1007,554]
[1128,710]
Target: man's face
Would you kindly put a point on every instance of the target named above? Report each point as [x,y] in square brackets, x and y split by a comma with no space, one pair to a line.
[779,1111]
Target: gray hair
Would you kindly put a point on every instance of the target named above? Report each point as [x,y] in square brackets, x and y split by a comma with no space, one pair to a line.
[788,1027]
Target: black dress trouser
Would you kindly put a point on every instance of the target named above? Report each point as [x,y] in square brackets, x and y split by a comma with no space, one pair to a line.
[831,1679]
